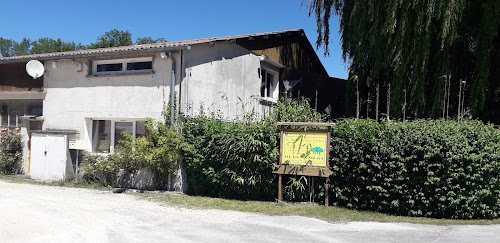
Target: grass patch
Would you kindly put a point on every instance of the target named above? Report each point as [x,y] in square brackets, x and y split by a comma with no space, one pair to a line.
[330,214]
[22,179]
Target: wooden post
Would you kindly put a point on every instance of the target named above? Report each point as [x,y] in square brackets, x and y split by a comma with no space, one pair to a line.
[281,144]
[328,165]
[326,191]
[280,180]
[280,188]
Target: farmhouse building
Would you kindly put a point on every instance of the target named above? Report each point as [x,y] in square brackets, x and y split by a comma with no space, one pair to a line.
[88,97]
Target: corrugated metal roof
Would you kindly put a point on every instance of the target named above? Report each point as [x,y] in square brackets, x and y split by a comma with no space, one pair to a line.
[135,49]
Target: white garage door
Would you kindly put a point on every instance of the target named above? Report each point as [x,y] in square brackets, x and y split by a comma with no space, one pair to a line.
[48,156]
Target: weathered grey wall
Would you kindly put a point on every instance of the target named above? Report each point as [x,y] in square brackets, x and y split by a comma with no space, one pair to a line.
[217,77]
[143,179]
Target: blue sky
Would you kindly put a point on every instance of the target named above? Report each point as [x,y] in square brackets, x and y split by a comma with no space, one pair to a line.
[83,21]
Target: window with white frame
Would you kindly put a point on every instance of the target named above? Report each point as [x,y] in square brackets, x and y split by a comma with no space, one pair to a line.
[106,134]
[269,84]
[123,66]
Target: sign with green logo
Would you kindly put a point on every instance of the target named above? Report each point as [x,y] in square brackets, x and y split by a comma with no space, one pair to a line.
[304,153]
[304,148]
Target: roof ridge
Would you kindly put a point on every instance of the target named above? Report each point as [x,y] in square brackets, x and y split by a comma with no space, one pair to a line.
[135,48]
[209,39]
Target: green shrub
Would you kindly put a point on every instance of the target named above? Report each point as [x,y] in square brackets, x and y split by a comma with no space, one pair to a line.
[101,169]
[235,159]
[441,169]
[10,150]
[229,159]
[158,150]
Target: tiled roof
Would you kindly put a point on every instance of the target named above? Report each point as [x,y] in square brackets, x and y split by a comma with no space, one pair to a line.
[135,49]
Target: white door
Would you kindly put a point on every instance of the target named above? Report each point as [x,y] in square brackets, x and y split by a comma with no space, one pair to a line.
[48,156]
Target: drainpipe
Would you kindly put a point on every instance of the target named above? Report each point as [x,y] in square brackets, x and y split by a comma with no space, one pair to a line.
[172,90]
[170,54]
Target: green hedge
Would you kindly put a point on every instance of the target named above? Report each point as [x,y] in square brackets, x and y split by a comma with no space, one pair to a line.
[441,169]
[235,159]
[231,160]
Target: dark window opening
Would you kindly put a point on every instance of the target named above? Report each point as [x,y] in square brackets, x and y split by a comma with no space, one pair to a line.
[120,127]
[269,84]
[101,137]
[4,114]
[266,87]
[140,129]
[115,67]
[34,107]
[263,84]
[12,110]
[139,65]
[123,66]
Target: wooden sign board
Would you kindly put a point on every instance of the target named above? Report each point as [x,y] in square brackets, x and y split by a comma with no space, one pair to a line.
[303,170]
[304,153]
[304,148]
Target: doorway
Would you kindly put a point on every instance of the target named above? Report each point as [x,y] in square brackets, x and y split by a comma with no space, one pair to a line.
[33,125]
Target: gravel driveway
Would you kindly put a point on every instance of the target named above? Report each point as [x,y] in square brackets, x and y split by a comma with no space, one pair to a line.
[36,213]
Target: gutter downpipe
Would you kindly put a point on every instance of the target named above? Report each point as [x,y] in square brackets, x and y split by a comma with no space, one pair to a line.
[172,83]
[172,90]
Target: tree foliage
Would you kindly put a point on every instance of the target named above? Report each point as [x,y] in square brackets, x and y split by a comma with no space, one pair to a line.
[112,38]
[149,40]
[48,45]
[410,46]
[5,47]
[10,48]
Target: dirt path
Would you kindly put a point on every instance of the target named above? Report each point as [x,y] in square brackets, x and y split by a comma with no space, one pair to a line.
[35,213]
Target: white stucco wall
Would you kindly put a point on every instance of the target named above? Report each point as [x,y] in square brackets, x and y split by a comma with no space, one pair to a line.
[223,77]
[73,98]
[217,77]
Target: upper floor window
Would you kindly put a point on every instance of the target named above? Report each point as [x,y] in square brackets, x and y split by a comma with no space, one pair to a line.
[269,84]
[123,66]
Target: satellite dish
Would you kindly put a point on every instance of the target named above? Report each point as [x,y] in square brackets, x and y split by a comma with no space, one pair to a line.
[35,69]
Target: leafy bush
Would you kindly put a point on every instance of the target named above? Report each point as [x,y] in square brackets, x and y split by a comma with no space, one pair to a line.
[235,159]
[101,169]
[157,150]
[230,159]
[441,169]
[10,150]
